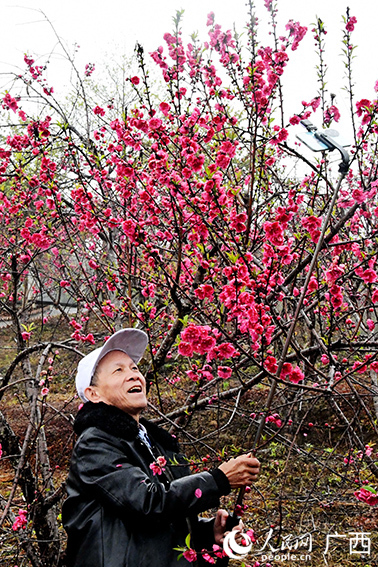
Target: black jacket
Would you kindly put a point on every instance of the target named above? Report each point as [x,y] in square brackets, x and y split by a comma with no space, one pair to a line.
[118,513]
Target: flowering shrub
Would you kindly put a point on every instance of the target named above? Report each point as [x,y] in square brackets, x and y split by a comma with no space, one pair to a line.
[180,216]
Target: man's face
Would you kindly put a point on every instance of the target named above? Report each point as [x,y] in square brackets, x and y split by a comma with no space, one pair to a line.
[120,384]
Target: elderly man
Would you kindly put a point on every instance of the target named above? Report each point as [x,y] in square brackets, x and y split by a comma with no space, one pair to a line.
[131,497]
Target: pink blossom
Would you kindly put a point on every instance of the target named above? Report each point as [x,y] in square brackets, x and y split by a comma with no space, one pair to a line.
[222,160]
[275,418]
[225,350]
[294,120]
[185,349]
[165,108]
[98,110]
[369,275]
[192,375]
[210,19]
[93,265]
[238,222]
[218,551]
[191,333]
[158,466]
[190,555]
[362,106]
[161,461]
[198,337]
[287,369]
[296,375]
[368,496]
[135,80]
[332,113]
[368,450]
[205,291]
[155,123]
[350,24]
[274,232]
[224,372]
[89,68]
[89,339]
[297,31]
[25,335]
[196,162]
[282,135]
[10,102]
[44,391]
[370,324]
[359,195]
[313,285]
[20,521]
[334,273]
[312,225]
[129,227]
[251,534]
[271,364]
[268,4]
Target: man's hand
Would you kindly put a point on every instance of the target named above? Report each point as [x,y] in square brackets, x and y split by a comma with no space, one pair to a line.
[220,526]
[241,471]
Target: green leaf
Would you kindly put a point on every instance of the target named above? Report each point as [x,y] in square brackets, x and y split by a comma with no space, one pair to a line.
[184,320]
[370,489]
[187,541]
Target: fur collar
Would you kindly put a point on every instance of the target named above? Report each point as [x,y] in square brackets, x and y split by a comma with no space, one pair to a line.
[120,424]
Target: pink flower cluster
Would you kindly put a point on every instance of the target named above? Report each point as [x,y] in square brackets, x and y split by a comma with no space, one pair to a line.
[312,224]
[275,418]
[158,466]
[351,23]
[191,555]
[89,68]
[20,521]
[330,114]
[294,374]
[10,102]
[202,340]
[297,31]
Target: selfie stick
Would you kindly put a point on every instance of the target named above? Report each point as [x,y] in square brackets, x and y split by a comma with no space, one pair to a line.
[331,145]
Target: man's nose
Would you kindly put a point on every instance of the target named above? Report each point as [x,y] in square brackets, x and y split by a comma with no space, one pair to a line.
[133,377]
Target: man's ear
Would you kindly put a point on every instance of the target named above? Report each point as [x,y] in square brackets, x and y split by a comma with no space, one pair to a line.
[91,394]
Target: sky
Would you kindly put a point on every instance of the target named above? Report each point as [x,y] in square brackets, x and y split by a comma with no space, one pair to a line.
[106,29]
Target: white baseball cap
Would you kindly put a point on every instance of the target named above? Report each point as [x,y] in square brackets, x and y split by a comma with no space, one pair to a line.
[132,342]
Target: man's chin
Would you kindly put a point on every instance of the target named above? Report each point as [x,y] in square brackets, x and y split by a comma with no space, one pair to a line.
[137,408]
